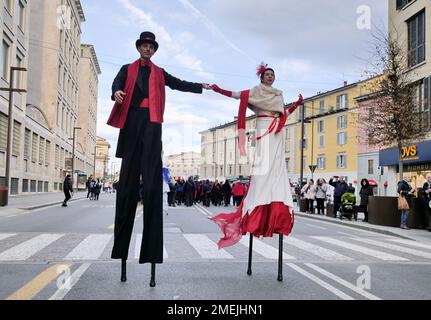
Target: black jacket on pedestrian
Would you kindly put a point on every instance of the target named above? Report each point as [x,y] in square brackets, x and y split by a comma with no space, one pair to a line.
[340,187]
[365,192]
[403,189]
[426,197]
[67,185]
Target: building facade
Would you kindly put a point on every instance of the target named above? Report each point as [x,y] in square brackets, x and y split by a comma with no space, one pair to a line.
[410,25]
[184,165]
[101,159]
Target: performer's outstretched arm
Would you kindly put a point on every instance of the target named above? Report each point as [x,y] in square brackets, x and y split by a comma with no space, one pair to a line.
[295,105]
[226,93]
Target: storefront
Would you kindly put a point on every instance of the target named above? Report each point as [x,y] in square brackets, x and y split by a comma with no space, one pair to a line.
[416,159]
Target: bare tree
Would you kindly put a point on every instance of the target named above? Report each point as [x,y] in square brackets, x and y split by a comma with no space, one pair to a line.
[393,117]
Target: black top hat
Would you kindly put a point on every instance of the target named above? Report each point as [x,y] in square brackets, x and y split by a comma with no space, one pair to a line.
[147,37]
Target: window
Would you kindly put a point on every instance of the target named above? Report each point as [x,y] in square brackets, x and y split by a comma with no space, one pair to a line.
[305,144]
[25,185]
[57,156]
[342,122]
[342,138]
[3,131]
[370,166]
[321,163]
[34,147]
[27,143]
[402,3]
[33,186]
[21,16]
[321,141]
[16,138]
[18,75]
[341,161]
[427,93]
[304,163]
[321,106]
[320,126]
[416,39]
[5,62]
[342,102]
[288,164]
[47,153]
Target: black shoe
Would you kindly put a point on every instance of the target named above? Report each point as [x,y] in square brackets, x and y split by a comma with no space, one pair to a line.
[64,205]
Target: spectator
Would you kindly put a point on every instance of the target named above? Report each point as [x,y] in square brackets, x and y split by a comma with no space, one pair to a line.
[340,188]
[321,190]
[227,193]
[88,185]
[406,191]
[365,192]
[426,197]
[238,192]
[309,192]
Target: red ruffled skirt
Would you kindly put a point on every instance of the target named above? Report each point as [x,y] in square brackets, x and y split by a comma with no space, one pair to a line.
[264,221]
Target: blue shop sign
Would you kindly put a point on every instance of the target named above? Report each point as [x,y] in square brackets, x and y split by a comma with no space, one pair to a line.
[414,153]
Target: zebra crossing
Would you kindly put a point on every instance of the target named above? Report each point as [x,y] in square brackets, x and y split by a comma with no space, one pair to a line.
[32,247]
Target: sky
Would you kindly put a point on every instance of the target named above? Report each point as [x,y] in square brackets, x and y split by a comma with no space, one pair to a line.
[313,46]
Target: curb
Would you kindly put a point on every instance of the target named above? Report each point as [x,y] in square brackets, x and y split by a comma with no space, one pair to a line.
[49,204]
[367,228]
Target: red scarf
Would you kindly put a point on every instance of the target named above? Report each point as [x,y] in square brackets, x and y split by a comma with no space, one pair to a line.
[157,96]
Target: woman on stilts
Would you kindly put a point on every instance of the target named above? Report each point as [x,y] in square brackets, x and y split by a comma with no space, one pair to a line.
[267,207]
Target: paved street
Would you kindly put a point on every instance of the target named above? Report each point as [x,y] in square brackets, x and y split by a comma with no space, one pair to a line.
[41,248]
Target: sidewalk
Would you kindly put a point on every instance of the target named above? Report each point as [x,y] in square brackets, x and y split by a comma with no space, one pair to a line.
[21,203]
[413,234]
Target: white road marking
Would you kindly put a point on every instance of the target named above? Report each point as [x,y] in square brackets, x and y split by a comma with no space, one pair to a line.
[138,242]
[264,249]
[412,243]
[6,235]
[68,285]
[29,248]
[389,246]
[317,227]
[206,248]
[316,250]
[320,282]
[343,282]
[201,211]
[90,248]
[369,252]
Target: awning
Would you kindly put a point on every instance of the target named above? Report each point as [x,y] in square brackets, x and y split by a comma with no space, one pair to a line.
[373,183]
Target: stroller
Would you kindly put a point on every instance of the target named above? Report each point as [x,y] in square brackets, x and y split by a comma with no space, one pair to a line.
[347,208]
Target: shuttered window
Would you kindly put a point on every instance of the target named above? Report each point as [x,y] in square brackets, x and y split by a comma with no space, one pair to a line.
[27,144]
[3,131]
[41,150]
[16,138]
[47,153]
[34,143]
[57,156]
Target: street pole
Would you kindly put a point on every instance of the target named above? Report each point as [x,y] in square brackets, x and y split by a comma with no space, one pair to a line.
[11,90]
[301,174]
[73,156]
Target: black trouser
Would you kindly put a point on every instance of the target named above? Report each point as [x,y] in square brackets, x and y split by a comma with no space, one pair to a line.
[67,197]
[364,209]
[88,193]
[320,205]
[310,203]
[337,203]
[141,157]
[227,199]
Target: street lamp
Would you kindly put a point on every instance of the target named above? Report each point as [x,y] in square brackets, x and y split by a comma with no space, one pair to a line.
[11,90]
[73,155]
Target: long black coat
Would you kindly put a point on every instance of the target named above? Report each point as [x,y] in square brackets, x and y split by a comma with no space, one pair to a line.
[141,92]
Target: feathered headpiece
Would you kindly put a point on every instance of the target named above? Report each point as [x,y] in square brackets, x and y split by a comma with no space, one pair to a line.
[261,68]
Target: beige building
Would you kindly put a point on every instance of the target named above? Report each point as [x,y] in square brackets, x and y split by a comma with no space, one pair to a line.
[184,165]
[89,70]
[101,160]
[219,150]
[14,32]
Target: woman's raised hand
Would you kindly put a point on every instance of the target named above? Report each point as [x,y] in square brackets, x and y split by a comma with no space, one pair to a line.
[217,89]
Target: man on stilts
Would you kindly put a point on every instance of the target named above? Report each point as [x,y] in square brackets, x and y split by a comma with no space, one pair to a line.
[139,94]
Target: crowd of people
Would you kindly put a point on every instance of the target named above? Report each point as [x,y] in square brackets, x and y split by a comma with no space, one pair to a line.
[96,186]
[191,191]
